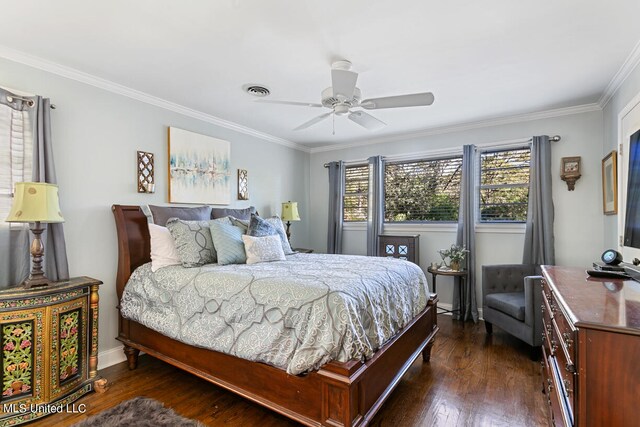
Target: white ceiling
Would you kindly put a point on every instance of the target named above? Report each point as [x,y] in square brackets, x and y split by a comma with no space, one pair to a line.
[481,59]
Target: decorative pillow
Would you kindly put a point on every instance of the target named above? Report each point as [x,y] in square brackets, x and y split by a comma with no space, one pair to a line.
[236,213]
[193,241]
[162,214]
[242,223]
[276,222]
[263,249]
[259,227]
[227,240]
[163,248]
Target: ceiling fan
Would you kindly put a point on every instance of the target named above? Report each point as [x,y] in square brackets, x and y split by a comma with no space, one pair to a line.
[344,99]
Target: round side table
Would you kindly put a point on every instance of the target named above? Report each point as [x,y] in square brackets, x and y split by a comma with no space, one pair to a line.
[462,274]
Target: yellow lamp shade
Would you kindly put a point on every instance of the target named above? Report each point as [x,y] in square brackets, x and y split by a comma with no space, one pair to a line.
[35,202]
[290,211]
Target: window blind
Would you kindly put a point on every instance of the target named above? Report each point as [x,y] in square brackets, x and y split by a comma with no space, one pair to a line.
[356,193]
[423,190]
[504,185]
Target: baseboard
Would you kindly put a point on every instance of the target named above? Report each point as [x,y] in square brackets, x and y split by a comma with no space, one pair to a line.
[110,357]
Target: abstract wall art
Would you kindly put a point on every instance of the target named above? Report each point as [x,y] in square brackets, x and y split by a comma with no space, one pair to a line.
[199,168]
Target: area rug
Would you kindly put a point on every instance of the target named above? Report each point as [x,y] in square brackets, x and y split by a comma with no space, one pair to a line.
[138,412]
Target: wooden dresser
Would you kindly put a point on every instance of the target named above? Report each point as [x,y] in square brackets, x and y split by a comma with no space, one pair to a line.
[49,348]
[591,348]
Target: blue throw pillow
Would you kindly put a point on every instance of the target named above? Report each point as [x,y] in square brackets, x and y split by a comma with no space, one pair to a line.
[259,227]
[227,239]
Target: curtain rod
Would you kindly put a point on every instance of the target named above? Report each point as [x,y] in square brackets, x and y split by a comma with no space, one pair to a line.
[554,138]
[30,102]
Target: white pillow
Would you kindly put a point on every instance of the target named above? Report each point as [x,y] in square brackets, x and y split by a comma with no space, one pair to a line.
[163,248]
[263,249]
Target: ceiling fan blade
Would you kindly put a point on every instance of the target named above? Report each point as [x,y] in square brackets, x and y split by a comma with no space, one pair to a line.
[302,104]
[313,121]
[366,120]
[343,83]
[412,100]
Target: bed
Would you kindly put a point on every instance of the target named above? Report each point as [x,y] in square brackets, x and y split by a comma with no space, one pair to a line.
[346,393]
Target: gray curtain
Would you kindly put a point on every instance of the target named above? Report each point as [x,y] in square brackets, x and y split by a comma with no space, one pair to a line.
[375,216]
[467,237]
[538,239]
[336,203]
[55,249]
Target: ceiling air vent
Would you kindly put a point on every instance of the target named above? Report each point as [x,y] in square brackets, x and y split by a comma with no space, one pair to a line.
[256,90]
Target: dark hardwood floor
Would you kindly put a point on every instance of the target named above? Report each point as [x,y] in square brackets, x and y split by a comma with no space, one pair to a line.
[472,380]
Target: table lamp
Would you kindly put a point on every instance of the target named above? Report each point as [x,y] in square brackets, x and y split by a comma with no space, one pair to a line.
[35,202]
[290,213]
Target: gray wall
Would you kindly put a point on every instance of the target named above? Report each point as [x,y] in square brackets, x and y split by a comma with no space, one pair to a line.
[578,218]
[96,134]
[625,93]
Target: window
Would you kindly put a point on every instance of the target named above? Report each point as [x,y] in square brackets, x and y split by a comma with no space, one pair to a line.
[15,157]
[422,190]
[504,185]
[356,193]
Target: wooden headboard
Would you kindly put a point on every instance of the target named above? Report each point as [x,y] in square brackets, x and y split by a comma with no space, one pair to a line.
[134,247]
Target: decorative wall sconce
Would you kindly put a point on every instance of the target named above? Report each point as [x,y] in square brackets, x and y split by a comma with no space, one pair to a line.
[243,184]
[146,182]
[570,171]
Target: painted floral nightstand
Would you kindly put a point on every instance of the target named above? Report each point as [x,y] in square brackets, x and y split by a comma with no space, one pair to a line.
[49,339]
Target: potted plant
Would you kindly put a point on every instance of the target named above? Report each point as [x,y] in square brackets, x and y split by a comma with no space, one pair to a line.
[456,255]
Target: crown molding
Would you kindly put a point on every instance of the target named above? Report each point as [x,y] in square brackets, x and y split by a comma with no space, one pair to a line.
[623,73]
[558,112]
[98,82]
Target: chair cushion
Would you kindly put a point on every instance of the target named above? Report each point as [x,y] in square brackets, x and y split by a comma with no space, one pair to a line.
[511,303]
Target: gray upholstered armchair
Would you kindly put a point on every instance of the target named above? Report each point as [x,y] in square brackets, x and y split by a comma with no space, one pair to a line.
[511,299]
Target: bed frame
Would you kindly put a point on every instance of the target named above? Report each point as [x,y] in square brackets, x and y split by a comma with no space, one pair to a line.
[338,394]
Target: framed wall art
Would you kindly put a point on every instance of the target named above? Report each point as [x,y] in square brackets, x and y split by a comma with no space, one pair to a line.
[610,184]
[199,168]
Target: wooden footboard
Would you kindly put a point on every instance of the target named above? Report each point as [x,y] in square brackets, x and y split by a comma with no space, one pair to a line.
[339,394]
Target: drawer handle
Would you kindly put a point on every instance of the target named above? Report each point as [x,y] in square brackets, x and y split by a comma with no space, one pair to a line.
[570,367]
[567,339]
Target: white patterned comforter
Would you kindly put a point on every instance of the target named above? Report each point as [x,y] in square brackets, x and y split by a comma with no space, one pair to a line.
[296,314]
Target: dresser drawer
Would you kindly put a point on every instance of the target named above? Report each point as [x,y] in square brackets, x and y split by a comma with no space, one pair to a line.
[548,338]
[548,341]
[566,334]
[562,414]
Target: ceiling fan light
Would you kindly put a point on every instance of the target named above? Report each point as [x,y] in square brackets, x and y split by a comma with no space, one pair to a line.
[341,110]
